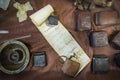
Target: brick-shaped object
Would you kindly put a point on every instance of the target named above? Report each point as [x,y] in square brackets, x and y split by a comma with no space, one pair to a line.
[98,38]
[84,21]
[100,64]
[40,59]
[106,18]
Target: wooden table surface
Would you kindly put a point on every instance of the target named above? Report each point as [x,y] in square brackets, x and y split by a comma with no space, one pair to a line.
[67,15]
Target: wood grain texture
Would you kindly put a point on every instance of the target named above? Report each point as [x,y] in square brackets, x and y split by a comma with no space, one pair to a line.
[67,15]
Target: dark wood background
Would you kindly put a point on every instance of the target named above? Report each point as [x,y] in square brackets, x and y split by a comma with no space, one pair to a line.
[67,15]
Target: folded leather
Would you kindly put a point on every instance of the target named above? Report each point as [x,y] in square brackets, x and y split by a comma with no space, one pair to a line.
[70,67]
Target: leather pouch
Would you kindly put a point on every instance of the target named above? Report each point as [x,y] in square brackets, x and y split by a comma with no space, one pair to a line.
[70,67]
[100,64]
[84,21]
[106,18]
